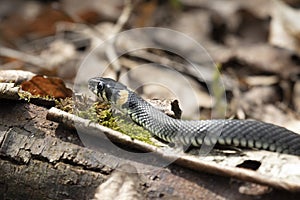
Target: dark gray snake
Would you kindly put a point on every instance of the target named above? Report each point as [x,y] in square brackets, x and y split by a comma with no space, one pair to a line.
[239,133]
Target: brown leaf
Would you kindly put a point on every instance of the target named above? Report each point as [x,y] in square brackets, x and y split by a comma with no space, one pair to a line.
[90,16]
[145,12]
[46,86]
[18,27]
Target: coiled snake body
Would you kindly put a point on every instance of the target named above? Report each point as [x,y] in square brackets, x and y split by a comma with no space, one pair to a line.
[239,133]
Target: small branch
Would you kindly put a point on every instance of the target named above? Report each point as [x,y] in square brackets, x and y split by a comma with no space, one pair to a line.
[96,130]
[221,165]
[15,76]
[11,53]
[123,17]
[110,49]
[9,91]
[12,92]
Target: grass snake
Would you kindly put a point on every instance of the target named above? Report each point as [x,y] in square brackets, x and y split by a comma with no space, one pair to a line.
[225,132]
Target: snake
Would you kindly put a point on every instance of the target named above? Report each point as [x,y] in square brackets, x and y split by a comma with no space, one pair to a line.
[252,134]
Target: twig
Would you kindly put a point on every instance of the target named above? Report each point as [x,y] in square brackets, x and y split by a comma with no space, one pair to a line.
[110,49]
[34,60]
[15,76]
[123,17]
[222,165]
[96,130]
[12,92]
[9,91]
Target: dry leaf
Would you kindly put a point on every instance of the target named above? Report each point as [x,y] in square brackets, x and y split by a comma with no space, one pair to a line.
[31,20]
[46,87]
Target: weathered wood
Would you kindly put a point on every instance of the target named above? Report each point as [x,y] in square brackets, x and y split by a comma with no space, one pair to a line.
[41,159]
[47,167]
[280,171]
[36,165]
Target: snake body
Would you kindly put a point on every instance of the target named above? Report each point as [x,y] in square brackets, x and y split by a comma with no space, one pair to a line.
[226,132]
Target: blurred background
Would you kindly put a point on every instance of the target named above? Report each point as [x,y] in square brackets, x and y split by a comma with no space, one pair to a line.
[249,64]
[254,44]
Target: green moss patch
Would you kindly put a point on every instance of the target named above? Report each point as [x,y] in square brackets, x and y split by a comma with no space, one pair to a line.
[103,114]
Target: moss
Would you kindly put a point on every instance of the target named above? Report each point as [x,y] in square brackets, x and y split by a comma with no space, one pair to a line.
[103,114]
[134,131]
[27,96]
[65,104]
[98,112]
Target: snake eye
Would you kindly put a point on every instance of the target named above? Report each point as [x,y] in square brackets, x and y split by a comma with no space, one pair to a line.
[100,86]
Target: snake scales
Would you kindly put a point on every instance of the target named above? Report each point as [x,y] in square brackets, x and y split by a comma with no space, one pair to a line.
[231,132]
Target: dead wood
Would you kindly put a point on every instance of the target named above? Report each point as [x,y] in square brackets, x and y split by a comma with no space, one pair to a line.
[35,165]
[40,159]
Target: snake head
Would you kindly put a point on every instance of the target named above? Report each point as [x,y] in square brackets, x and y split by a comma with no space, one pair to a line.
[107,88]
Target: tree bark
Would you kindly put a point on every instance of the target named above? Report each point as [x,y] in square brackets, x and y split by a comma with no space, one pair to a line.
[36,165]
[41,159]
